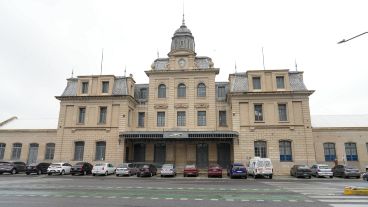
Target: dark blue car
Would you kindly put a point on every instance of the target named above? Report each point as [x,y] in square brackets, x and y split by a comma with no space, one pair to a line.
[237,170]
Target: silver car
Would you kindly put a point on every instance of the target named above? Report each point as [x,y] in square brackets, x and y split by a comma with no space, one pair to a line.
[321,170]
[168,170]
[126,169]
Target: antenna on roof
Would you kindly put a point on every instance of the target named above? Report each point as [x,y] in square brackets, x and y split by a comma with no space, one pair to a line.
[235,67]
[296,66]
[101,61]
[125,71]
[158,54]
[72,72]
[264,67]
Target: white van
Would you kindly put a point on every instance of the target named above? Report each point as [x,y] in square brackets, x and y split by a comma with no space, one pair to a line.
[260,167]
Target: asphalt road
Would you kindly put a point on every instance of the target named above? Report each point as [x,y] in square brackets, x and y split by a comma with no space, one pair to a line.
[111,191]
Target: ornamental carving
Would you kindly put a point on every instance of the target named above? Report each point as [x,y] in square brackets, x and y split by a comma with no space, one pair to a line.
[201,105]
[161,106]
[181,105]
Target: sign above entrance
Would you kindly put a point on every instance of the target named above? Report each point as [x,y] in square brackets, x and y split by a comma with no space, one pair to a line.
[175,135]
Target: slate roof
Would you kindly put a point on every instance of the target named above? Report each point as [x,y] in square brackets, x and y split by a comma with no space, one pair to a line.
[240,82]
[120,86]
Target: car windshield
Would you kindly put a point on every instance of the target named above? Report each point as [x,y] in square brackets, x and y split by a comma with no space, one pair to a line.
[170,166]
[238,167]
[323,167]
[55,165]
[302,167]
[260,163]
[268,163]
[79,163]
[124,165]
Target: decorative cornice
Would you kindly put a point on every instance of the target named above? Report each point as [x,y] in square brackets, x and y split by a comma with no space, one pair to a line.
[161,106]
[201,105]
[181,105]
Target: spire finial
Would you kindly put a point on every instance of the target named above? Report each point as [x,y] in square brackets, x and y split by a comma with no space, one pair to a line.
[183,21]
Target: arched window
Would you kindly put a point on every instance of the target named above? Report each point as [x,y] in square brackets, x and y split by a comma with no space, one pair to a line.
[351,151]
[17,149]
[2,150]
[50,150]
[330,152]
[201,90]
[260,149]
[100,150]
[33,153]
[162,91]
[78,150]
[182,90]
[285,151]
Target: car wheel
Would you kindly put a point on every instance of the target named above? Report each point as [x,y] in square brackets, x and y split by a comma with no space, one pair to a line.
[28,173]
[310,177]
[220,176]
[245,177]
[93,174]
[49,173]
[14,171]
[72,174]
[358,177]
[106,173]
[62,172]
[270,177]
[39,172]
[138,175]
[117,175]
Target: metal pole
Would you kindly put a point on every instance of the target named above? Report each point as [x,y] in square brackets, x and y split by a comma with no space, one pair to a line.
[342,41]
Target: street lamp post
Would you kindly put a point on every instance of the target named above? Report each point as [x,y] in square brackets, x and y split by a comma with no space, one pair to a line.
[344,40]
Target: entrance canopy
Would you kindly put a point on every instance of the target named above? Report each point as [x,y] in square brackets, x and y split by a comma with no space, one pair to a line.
[192,136]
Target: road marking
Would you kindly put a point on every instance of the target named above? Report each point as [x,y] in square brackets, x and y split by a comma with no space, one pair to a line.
[183,199]
[198,199]
[259,200]
[169,198]
[125,197]
[276,200]
[308,201]
[344,201]
[214,199]
[347,197]
[140,197]
[292,200]
[348,205]
[85,196]
[154,198]
[70,196]
[229,199]
[244,200]
[112,197]
[97,196]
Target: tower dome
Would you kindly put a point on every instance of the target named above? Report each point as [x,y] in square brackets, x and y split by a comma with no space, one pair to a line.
[183,39]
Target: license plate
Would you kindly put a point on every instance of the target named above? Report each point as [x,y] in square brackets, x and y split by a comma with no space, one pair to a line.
[238,171]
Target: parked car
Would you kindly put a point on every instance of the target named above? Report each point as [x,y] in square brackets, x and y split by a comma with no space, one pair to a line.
[103,169]
[168,170]
[12,167]
[321,170]
[191,170]
[260,167]
[215,170]
[81,168]
[345,171]
[365,176]
[61,168]
[237,170]
[126,169]
[301,171]
[146,170]
[38,168]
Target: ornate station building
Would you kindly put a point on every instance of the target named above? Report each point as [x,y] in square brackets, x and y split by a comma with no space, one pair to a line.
[184,116]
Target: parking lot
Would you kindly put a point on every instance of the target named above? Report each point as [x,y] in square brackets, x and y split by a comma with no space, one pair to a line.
[67,190]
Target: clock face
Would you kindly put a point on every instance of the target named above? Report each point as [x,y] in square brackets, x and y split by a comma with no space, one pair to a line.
[181,62]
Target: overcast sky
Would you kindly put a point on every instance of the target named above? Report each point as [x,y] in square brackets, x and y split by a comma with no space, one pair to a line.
[41,42]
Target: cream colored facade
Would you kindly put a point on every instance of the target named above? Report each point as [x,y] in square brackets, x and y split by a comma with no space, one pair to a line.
[184,116]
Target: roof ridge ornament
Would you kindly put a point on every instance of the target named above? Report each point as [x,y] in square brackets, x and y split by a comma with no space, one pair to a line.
[183,21]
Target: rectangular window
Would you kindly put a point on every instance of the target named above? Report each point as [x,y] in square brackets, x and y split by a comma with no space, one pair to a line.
[143,93]
[50,150]
[260,149]
[330,153]
[258,112]
[78,151]
[221,93]
[222,118]
[280,82]
[351,152]
[103,113]
[256,83]
[180,120]
[282,112]
[2,150]
[105,86]
[100,150]
[82,115]
[84,87]
[161,119]
[129,118]
[141,116]
[285,151]
[201,115]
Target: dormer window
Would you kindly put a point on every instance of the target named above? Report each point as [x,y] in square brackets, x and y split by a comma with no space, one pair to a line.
[143,93]
[256,83]
[105,86]
[280,82]
[84,87]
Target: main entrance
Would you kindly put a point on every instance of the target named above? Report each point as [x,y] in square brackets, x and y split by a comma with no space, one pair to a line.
[202,155]
[223,154]
[159,153]
[139,152]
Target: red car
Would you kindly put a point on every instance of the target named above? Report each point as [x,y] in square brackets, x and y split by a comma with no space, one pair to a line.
[191,170]
[215,170]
